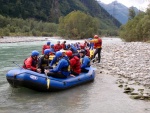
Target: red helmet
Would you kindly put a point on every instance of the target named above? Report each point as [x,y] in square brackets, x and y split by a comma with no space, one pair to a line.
[95,36]
[82,46]
[69,53]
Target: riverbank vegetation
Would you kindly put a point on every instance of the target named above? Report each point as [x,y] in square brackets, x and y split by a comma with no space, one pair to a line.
[138,28]
[75,25]
[29,27]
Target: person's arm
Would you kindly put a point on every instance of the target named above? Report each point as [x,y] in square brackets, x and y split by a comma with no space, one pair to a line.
[53,61]
[93,41]
[59,66]
[85,62]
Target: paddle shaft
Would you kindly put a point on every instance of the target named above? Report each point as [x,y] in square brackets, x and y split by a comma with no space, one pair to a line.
[16,64]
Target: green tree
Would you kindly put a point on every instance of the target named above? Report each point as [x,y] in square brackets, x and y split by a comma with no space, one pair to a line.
[78,25]
[132,13]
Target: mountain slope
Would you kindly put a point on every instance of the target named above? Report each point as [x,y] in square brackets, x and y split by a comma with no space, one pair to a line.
[51,10]
[118,10]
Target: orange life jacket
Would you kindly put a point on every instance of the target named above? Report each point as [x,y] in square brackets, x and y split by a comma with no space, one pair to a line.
[98,44]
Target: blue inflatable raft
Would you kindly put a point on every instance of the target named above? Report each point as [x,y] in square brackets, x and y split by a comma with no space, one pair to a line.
[25,78]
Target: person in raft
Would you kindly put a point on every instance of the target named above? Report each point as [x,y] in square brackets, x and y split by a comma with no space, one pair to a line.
[52,48]
[63,45]
[46,46]
[55,59]
[85,61]
[61,70]
[98,46]
[57,46]
[43,61]
[87,51]
[32,62]
[75,65]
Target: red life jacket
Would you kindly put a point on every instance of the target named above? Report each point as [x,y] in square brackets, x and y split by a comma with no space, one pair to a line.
[45,47]
[57,47]
[63,45]
[75,64]
[30,63]
[98,44]
[87,52]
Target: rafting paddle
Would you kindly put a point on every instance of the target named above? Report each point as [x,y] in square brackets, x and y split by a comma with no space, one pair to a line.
[48,80]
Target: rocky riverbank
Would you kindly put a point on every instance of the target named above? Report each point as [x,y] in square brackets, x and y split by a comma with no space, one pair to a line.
[23,39]
[130,62]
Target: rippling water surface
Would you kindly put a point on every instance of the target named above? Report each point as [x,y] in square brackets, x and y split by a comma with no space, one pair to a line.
[100,96]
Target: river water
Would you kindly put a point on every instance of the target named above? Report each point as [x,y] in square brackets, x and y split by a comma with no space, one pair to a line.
[100,96]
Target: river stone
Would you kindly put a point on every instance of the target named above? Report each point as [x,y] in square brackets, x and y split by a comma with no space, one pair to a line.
[135,96]
[127,88]
[127,91]
[134,93]
[120,85]
[141,90]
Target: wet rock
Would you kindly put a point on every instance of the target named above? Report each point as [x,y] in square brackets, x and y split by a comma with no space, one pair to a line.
[127,91]
[134,93]
[128,88]
[146,96]
[141,90]
[138,83]
[120,85]
[135,96]
[120,81]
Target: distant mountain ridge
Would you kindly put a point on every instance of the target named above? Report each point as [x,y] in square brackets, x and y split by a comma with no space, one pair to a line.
[118,10]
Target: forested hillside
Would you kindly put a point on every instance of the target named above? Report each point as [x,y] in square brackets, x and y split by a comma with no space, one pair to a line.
[52,10]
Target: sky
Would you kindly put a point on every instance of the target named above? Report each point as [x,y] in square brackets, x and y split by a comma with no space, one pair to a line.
[140,4]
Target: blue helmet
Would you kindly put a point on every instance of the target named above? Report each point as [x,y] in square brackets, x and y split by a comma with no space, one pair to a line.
[47,51]
[52,45]
[48,43]
[58,54]
[35,53]
[90,38]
